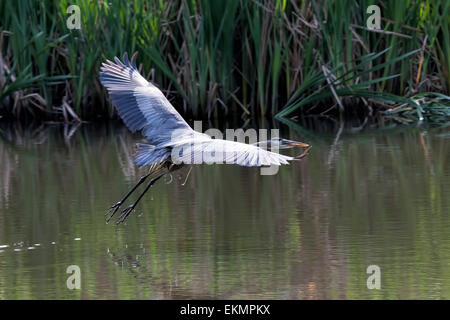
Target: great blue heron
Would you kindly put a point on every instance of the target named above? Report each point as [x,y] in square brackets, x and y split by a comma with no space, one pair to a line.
[142,106]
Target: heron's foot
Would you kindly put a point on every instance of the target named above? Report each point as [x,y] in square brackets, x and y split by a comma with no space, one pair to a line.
[112,211]
[125,213]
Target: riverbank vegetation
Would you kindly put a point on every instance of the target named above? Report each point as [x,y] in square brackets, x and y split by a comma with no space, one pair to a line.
[234,58]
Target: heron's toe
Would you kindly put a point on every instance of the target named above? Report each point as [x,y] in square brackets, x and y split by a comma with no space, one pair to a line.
[125,213]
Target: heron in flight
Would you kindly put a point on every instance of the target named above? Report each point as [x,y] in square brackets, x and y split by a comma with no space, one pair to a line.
[171,141]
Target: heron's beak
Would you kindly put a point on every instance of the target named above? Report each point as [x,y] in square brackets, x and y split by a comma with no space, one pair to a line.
[297,144]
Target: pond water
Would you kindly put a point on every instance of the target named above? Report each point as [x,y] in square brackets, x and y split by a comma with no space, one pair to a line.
[371,197]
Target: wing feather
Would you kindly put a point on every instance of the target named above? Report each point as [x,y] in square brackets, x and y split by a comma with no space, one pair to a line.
[140,104]
[224,151]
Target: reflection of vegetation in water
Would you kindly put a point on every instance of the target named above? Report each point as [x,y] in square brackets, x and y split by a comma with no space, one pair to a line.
[229,57]
[308,232]
[7,168]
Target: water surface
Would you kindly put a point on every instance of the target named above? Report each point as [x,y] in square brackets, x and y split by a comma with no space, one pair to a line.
[375,197]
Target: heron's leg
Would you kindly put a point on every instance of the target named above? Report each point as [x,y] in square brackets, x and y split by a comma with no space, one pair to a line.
[126,212]
[112,211]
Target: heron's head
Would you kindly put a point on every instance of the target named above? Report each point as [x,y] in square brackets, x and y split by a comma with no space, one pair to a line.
[281,143]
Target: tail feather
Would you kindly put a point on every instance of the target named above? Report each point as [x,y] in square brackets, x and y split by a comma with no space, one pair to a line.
[148,154]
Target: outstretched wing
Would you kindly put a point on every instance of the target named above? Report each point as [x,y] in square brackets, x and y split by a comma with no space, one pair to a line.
[140,104]
[228,152]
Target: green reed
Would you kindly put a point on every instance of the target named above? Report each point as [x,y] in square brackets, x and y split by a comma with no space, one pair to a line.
[227,58]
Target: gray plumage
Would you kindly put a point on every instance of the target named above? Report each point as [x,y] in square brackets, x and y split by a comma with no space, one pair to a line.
[142,106]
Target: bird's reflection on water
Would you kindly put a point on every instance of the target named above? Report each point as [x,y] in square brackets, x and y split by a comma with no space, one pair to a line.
[309,232]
